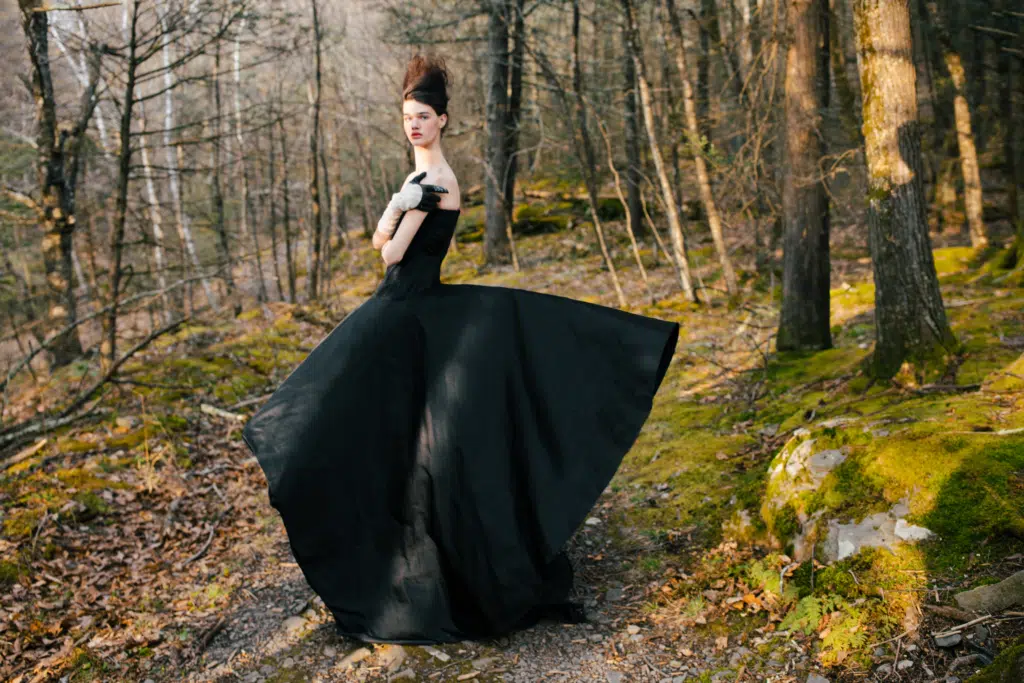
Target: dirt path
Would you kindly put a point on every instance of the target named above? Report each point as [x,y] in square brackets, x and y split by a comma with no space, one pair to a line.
[279,631]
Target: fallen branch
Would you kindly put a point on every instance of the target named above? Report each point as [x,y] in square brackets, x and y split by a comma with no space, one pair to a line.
[950,612]
[24,455]
[220,412]
[961,627]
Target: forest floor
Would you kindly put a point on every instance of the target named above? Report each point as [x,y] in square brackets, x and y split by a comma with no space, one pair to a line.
[139,544]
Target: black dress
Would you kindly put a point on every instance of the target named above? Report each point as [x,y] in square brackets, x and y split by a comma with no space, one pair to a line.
[433,454]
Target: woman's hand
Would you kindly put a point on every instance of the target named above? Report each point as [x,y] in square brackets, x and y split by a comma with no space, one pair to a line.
[413,195]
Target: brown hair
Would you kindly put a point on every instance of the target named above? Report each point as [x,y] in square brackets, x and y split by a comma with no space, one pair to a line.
[426,81]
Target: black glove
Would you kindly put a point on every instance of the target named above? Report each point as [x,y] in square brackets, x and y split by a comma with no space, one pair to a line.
[431,193]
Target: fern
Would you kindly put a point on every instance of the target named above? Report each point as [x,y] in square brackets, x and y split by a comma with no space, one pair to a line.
[806,616]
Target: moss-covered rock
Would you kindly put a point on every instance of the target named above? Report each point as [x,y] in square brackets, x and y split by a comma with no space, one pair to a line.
[1008,667]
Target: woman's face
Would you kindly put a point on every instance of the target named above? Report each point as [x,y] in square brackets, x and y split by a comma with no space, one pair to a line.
[422,124]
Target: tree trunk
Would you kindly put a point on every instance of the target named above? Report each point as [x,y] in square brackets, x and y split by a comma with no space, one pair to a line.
[174,154]
[585,153]
[496,247]
[634,168]
[1013,168]
[108,348]
[910,321]
[703,178]
[272,189]
[56,179]
[514,107]
[316,225]
[964,131]
[246,225]
[844,68]
[216,186]
[675,225]
[707,18]
[286,200]
[155,219]
[804,322]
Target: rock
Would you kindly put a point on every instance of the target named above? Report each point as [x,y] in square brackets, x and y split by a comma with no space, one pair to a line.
[951,640]
[632,629]
[905,664]
[354,657]
[637,638]
[995,597]
[613,595]
[483,663]
[288,662]
[675,664]
[882,529]
[293,624]
[951,679]
[884,669]
[592,521]
[391,656]
[436,654]
[615,677]
[911,532]
[404,675]
[815,678]
[330,651]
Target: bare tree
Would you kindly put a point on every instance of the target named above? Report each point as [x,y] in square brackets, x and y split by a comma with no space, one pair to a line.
[58,160]
[675,226]
[316,224]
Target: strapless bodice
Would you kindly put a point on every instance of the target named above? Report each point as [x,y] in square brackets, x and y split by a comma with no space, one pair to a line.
[420,267]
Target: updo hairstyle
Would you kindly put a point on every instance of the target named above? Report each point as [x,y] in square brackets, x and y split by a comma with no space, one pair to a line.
[426,81]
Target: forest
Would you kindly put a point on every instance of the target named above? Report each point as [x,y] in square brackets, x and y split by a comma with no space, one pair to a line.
[825,194]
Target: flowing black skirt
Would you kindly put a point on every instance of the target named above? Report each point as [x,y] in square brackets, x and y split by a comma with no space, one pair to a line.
[433,454]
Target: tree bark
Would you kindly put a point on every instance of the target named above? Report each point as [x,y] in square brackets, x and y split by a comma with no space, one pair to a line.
[910,321]
[108,348]
[675,225]
[246,224]
[634,168]
[804,322]
[514,107]
[56,169]
[316,226]
[216,186]
[707,197]
[496,247]
[585,153]
[964,130]
[155,219]
[287,210]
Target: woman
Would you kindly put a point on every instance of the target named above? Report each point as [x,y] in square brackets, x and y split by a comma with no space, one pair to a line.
[433,454]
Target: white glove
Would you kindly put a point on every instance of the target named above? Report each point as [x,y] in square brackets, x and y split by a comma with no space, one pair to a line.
[407,198]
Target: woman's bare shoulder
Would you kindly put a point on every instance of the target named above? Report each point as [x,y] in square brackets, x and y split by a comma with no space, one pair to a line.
[453,199]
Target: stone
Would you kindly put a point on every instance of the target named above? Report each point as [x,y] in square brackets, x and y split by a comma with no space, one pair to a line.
[950,640]
[436,654]
[391,656]
[995,597]
[884,669]
[483,663]
[288,662]
[613,595]
[330,651]
[905,664]
[615,677]
[632,629]
[293,624]
[354,657]
[815,678]
[404,675]
[911,532]
[592,521]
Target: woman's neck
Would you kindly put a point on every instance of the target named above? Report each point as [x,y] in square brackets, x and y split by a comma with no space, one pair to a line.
[429,158]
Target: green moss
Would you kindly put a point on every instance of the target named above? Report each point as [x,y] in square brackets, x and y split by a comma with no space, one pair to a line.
[10,573]
[1008,666]
[128,440]
[20,524]
[949,260]
[94,506]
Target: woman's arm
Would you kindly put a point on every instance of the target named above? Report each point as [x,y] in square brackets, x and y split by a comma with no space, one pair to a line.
[394,249]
